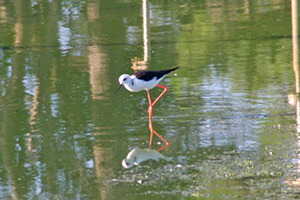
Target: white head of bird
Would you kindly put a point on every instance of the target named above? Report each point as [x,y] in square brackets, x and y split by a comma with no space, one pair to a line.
[126,80]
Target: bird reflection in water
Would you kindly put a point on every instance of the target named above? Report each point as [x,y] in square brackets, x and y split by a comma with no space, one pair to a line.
[139,81]
[137,156]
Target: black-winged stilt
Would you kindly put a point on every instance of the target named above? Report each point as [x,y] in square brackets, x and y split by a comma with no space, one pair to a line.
[146,80]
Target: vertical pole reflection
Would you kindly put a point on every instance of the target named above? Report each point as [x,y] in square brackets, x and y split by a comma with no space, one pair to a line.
[296,56]
[138,64]
[146,30]
[293,99]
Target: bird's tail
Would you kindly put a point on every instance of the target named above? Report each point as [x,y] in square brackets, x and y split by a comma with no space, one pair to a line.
[172,69]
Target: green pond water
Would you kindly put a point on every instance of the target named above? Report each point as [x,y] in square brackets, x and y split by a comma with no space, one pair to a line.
[231,128]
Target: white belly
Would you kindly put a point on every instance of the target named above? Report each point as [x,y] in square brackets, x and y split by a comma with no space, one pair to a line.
[139,85]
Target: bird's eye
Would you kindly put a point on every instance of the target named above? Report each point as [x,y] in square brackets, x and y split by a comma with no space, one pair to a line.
[124,79]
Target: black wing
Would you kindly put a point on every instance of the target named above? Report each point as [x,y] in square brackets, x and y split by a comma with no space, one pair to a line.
[148,75]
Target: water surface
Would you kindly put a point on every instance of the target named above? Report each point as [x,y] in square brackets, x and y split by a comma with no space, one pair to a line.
[64,133]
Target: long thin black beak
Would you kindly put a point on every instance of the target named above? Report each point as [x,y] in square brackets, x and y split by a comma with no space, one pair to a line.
[118,88]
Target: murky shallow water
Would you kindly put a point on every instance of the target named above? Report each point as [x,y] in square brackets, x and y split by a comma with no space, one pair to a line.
[226,115]
[238,156]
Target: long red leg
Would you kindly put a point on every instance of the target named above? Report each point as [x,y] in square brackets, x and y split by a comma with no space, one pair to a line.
[165,90]
[163,139]
[158,135]
[150,109]
[151,132]
[150,112]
